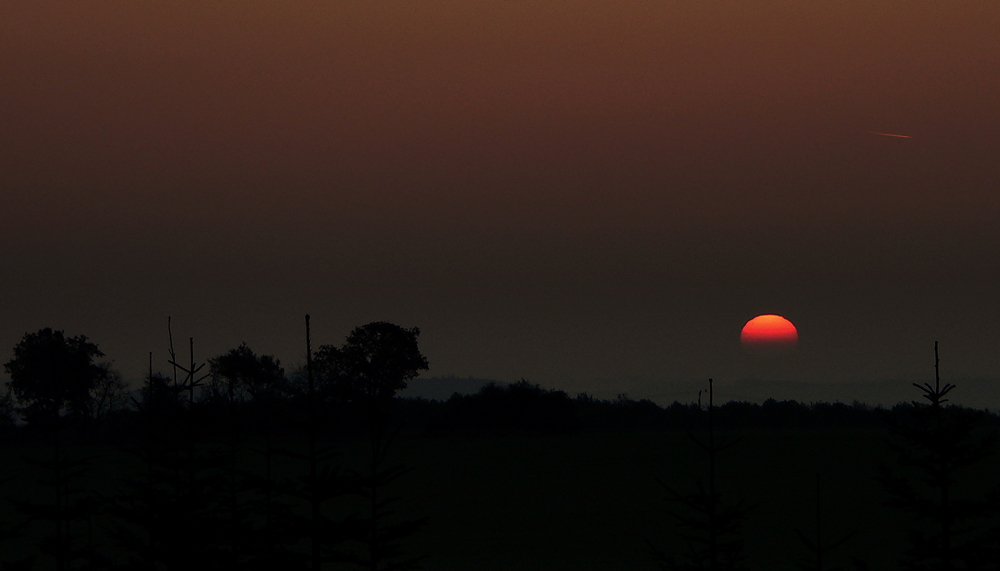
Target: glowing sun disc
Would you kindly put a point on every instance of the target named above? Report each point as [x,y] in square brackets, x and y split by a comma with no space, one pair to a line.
[769,333]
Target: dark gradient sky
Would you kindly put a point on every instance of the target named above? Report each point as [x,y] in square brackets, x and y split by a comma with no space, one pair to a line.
[590,195]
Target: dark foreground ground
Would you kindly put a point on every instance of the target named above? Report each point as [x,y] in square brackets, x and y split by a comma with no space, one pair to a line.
[526,479]
[590,500]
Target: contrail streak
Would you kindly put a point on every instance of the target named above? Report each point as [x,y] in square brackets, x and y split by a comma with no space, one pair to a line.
[890,135]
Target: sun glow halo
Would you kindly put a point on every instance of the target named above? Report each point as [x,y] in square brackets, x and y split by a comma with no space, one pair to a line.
[769,334]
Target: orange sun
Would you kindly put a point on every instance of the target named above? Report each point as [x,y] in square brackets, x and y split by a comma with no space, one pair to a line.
[769,334]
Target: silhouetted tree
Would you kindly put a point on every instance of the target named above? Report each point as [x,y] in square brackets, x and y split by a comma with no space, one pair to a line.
[816,545]
[933,446]
[109,394]
[518,407]
[710,528]
[54,374]
[324,482]
[171,515]
[51,374]
[198,475]
[376,362]
[245,376]
[248,376]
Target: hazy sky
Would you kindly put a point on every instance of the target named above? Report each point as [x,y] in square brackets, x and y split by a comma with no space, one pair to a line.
[590,195]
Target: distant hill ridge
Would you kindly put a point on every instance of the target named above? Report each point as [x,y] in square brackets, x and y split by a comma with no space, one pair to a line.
[441,388]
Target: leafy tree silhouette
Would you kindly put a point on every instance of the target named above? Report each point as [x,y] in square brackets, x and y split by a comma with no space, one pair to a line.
[257,380]
[710,528]
[375,362]
[935,445]
[54,374]
[248,376]
[816,546]
[51,374]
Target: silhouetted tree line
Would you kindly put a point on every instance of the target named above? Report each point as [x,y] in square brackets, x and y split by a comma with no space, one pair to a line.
[520,407]
[206,439]
[935,450]
[523,407]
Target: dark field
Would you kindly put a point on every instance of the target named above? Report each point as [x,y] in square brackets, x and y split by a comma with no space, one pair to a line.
[589,500]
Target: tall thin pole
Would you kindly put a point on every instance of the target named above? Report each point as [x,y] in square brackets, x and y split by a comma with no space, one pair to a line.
[944,468]
[312,400]
[173,356]
[149,451]
[149,384]
[314,494]
[711,476]
[191,374]
[937,370]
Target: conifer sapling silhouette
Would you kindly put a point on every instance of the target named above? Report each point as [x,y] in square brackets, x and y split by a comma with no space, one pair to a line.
[324,482]
[379,359]
[710,528]
[816,545]
[933,446]
[376,361]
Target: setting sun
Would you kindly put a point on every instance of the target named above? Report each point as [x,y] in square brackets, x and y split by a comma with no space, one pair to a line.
[770,334]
